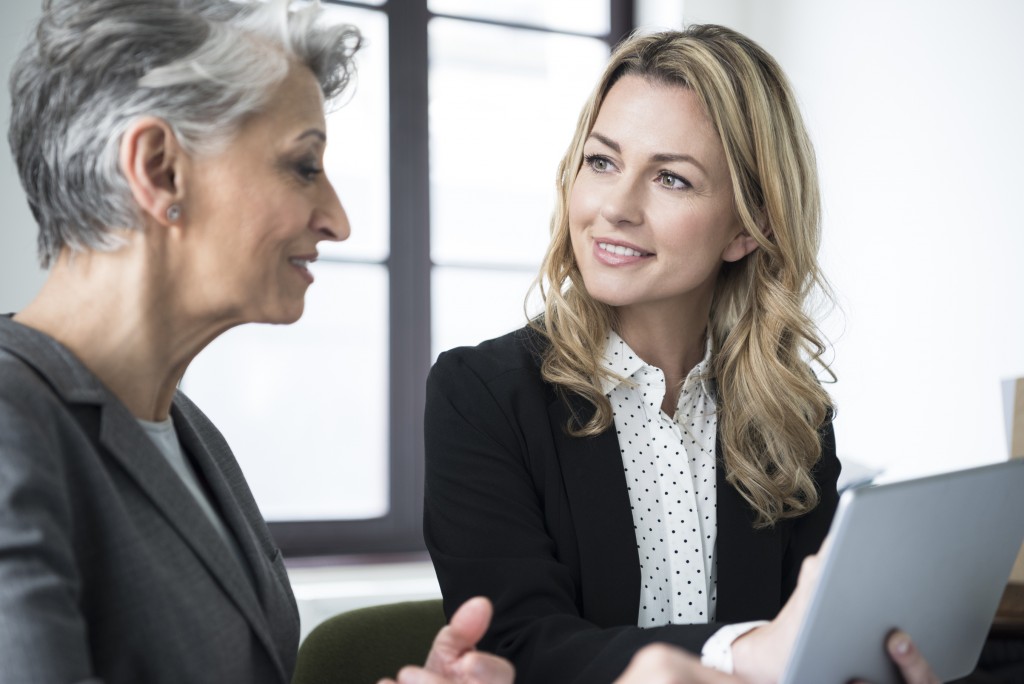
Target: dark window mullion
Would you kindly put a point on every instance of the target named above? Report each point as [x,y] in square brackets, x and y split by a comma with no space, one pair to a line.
[623,21]
[410,259]
[409,311]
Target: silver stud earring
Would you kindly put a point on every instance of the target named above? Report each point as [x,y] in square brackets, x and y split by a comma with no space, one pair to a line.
[173,213]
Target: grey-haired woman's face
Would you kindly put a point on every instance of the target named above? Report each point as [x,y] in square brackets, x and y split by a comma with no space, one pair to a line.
[255,212]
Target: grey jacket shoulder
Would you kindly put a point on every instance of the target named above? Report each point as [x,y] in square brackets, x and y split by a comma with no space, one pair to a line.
[109,569]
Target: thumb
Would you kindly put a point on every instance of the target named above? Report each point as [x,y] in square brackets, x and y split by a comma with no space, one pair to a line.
[461,635]
[470,621]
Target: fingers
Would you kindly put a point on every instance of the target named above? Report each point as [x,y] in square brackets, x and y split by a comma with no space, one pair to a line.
[664,664]
[483,668]
[472,668]
[417,675]
[912,664]
[453,658]
[471,621]
[460,636]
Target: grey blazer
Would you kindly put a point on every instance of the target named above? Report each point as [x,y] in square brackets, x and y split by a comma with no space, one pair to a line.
[109,570]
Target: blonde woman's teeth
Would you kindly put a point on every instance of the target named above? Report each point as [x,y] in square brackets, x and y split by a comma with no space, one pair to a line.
[619,249]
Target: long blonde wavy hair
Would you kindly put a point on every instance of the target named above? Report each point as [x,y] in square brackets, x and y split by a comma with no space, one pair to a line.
[770,403]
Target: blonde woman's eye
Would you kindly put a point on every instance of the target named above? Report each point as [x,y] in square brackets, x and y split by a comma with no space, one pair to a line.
[670,180]
[596,162]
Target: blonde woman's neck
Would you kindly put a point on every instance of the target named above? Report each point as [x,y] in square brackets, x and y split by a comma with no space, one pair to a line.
[673,344]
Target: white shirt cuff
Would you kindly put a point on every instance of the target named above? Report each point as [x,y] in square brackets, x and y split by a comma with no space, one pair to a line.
[717,651]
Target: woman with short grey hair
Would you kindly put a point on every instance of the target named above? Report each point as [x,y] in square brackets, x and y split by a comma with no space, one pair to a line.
[95,67]
[172,155]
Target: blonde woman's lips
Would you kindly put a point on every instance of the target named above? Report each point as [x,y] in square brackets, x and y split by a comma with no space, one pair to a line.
[614,253]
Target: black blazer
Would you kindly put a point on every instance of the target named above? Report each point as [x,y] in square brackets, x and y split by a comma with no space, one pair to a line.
[518,510]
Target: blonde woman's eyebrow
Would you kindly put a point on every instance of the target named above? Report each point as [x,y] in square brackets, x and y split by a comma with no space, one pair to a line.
[667,157]
[660,157]
[605,140]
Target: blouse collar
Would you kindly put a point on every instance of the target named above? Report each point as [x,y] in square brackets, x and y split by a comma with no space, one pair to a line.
[621,360]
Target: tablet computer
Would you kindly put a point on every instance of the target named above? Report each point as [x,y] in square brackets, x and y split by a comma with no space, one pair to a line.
[930,556]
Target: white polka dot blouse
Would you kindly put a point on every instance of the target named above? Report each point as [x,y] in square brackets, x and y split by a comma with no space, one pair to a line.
[669,463]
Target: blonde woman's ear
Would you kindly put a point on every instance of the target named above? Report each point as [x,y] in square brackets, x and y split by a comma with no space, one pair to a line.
[741,245]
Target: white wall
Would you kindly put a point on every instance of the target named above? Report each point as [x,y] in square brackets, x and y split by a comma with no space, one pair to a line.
[917,112]
[20,275]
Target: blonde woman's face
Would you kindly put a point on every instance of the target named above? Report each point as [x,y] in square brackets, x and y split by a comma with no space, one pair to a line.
[651,214]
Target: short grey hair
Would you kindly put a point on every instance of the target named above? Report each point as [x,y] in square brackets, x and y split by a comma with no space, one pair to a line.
[203,66]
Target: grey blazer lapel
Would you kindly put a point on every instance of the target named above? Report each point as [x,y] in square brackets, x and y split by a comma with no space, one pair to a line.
[138,456]
[596,488]
[213,457]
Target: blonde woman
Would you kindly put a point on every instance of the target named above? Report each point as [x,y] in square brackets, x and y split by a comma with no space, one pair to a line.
[651,459]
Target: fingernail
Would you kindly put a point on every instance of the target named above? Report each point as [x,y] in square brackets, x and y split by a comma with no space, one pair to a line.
[903,645]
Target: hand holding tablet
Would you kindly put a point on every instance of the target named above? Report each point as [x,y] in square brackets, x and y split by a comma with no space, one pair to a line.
[928,556]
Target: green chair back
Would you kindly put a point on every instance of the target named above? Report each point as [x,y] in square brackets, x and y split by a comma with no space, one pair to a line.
[361,646]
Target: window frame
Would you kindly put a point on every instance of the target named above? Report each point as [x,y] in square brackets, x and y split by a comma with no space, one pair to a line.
[409,268]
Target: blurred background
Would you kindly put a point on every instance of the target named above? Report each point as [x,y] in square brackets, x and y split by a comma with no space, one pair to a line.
[444,155]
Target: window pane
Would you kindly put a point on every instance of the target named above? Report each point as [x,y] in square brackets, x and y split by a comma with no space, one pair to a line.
[503,107]
[357,133]
[472,305]
[584,16]
[304,407]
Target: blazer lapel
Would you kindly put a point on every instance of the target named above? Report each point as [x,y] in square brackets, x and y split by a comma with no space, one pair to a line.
[596,489]
[205,458]
[749,559]
[134,451]
[208,455]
